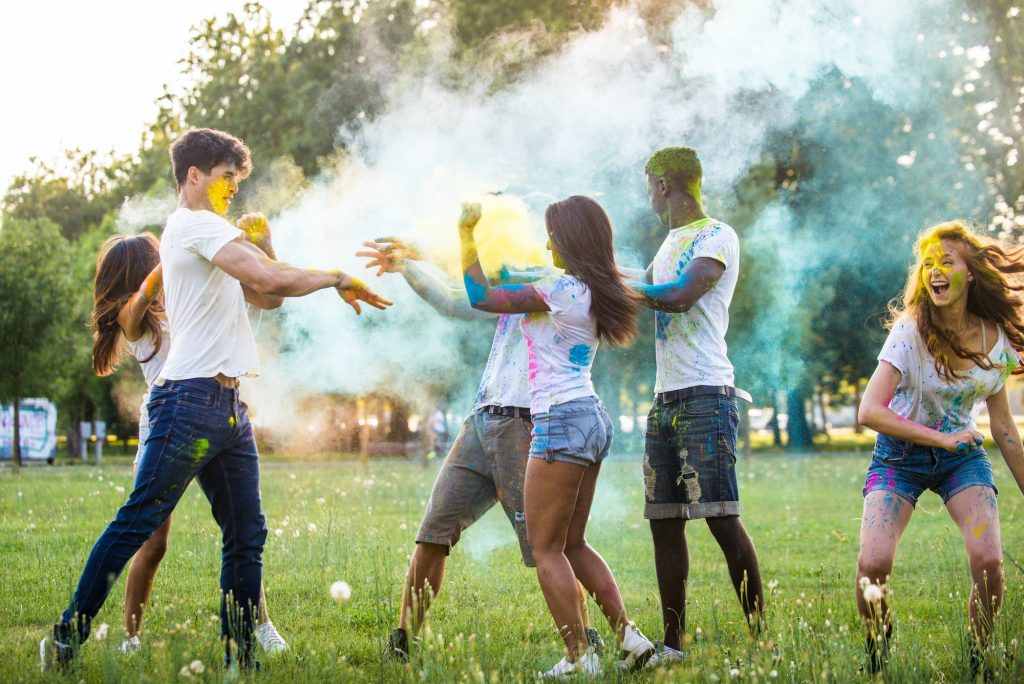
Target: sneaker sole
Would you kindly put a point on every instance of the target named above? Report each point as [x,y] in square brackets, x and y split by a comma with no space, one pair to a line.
[635,661]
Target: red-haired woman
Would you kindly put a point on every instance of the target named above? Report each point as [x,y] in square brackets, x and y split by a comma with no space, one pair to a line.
[952,345]
[567,316]
[128,312]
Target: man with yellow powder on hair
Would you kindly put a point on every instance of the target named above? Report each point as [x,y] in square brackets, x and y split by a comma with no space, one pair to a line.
[690,450]
[199,428]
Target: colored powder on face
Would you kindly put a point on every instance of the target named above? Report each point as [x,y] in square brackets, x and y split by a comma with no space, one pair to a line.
[220,193]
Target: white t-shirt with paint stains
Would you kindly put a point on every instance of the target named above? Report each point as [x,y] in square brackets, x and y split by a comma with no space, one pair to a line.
[143,348]
[205,306]
[561,343]
[690,347]
[504,382]
[925,397]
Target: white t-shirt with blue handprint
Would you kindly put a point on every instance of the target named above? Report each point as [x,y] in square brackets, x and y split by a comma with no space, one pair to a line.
[561,343]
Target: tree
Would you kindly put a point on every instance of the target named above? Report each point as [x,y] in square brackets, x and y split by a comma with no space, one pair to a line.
[75,193]
[35,308]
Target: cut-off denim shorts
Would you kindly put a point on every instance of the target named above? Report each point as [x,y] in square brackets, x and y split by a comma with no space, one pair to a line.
[578,431]
[908,469]
[690,458]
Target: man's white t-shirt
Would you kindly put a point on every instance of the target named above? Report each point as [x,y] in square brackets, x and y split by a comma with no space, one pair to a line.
[504,382]
[210,330]
[561,343]
[925,397]
[690,347]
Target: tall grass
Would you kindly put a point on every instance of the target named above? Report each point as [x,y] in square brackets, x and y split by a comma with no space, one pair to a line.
[338,521]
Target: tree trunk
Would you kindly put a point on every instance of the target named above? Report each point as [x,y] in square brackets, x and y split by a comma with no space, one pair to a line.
[16,447]
[824,416]
[797,430]
[774,422]
[857,427]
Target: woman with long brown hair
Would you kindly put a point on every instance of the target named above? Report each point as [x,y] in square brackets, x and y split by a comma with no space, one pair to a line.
[952,344]
[128,313]
[567,316]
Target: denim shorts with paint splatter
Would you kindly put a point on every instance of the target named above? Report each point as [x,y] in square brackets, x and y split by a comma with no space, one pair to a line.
[908,469]
[579,431]
[690,458]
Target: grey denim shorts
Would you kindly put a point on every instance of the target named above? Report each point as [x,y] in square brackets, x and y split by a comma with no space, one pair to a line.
[486,465]
[578,431]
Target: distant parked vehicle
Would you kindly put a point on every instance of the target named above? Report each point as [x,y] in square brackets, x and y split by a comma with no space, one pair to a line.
[38,434]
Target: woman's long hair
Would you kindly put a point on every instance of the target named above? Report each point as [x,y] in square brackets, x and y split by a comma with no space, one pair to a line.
[993,295]
[121,267]
[581,233]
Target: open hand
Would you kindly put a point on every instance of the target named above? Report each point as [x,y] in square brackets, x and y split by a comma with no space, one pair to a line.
[471,212]
[353,290]
[388,254]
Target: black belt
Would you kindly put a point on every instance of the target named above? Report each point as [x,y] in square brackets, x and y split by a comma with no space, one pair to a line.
[508,411]
[687,392]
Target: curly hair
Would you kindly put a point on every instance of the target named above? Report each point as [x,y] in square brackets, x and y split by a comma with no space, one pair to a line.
[680,165]
[205,148]
[993,295]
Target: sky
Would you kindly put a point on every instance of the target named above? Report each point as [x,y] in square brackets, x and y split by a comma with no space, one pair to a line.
[87,74]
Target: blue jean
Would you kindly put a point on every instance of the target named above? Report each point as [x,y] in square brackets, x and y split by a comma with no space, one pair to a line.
[690,459]
[198,429]
[908,469]
[578,431]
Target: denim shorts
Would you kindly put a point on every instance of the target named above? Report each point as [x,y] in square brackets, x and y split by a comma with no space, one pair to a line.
[579,431]
[690,458]
[486,465]
[908,469]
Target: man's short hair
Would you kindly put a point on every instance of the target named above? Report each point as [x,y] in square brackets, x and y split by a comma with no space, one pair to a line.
[205,148]
[680,165]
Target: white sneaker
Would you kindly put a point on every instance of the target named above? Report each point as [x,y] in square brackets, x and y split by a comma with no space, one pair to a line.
[130,646]
[636,649]
[269,639]
[588,663]
[664,655]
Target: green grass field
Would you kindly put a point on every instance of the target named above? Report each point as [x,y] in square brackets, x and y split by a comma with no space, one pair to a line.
[339,521]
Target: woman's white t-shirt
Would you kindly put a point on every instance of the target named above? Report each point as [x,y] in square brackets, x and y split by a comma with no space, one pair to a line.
[561,343]
[925,397]
[143,347]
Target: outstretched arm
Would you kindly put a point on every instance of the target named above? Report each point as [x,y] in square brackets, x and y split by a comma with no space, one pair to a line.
[131,314]
[482,295]
[1004,431]
[874,412]
[436,288]
[699,276]
[253,268]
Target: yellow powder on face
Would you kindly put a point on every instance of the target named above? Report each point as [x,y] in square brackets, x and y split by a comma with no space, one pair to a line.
[220,193]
